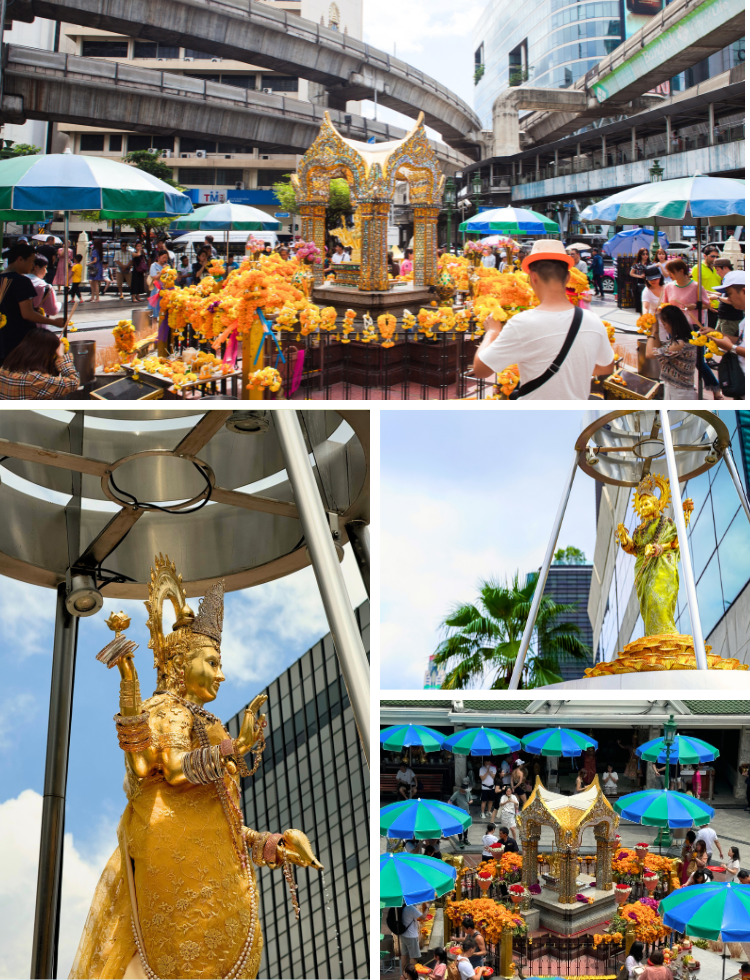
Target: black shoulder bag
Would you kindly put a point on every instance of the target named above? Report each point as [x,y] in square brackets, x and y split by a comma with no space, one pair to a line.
[529,386]
[731,376]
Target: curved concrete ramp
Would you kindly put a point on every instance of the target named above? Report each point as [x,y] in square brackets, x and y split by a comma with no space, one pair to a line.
[67,88]
[258,34]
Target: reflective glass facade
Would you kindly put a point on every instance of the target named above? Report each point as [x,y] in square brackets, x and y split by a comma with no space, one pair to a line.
[550,43]
[570,584]
[719,537]
[313,776]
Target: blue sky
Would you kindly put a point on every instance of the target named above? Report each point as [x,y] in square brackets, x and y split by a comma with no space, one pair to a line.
[467,495]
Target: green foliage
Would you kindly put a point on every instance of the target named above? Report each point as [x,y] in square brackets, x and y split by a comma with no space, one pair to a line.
[478,73]
[339,203]
[11,149]
[481,641]
[570,556]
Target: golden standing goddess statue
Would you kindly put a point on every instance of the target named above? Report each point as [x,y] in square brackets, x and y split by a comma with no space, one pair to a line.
[656,549]
[179,898]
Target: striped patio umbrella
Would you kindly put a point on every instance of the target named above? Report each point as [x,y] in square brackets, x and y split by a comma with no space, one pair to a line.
[27,217]
[510,221]
[397,737]
[422,820]
[407,879]
[716,910]
[718,200]
[685,749]
[226,217]
[558,741]
[74,182]
[663,808]
[482,741]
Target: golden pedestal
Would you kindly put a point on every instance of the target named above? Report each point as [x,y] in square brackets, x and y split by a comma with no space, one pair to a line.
[665,651]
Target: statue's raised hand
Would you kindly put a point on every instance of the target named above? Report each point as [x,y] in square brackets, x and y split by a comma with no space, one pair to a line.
[299,850]
[622,534]
[252,725]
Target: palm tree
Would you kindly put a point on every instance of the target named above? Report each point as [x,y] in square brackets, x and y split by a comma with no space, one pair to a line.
[482,641]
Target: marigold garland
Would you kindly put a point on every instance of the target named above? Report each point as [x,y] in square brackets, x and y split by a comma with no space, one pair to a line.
[267,377]
[491,917]
[387,326]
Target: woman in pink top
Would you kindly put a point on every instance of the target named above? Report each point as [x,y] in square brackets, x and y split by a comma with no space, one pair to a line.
[407,265]
[683,292]
[46,299]
[656,969]
[441,965]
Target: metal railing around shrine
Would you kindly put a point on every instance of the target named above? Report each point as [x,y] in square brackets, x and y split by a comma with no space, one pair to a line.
[318,366]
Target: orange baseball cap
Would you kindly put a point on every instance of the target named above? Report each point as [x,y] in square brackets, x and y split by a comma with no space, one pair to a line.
[547,248]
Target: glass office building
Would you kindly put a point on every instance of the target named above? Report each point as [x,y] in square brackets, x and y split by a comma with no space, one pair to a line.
[719,537]
[549,43]
[313,776]
[570,583]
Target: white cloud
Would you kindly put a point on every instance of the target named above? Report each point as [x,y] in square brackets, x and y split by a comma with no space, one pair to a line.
[27,614]
[415,24]
[267,627]
[20,827]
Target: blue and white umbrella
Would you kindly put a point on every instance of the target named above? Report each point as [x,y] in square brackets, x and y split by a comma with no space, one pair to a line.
[714,200]
[510,221]
[631,242]
[74,182]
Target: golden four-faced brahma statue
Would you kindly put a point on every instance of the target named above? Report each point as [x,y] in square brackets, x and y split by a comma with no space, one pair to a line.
[179,896]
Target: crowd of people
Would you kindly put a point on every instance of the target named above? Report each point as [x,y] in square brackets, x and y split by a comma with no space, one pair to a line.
[558,349]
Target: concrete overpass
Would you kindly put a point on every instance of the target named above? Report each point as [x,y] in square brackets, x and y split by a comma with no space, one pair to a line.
[259,34]
[686,32]
[67,88]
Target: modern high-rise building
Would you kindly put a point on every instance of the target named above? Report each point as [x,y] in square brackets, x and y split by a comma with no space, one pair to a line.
[719,537]
[549,43]
[313,776]
[569,582]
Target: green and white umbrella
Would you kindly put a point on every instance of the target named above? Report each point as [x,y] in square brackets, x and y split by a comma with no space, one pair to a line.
[482,741]
[226,217]
[407,879]
[422,820]
[663,808]
[566,742]
[74,182]
[712,200]
[510,221]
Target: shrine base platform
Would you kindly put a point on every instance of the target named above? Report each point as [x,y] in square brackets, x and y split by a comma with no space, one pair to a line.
[572,919]
[374,302]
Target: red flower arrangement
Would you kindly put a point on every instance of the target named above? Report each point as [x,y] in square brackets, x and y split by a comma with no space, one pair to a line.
[517,889]
[484,874]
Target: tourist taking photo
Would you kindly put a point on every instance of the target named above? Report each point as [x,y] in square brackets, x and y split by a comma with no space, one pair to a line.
[557,347]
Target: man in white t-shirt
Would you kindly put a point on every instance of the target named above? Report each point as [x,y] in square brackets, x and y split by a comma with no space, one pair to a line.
[578,261]
[487,778]
[534,338]
[406,782]
[339,255]
[711,839]
[488,840]
[411,916]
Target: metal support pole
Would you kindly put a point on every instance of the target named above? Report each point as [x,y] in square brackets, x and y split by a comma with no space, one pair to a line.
[359,539]
[341,619]
[732,467]
[49,881]
[542,580]
[687,564]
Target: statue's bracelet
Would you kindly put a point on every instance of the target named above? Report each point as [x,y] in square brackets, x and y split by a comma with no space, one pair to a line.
[258,847]
[270,856]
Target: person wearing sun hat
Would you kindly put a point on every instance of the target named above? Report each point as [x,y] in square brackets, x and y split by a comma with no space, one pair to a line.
[733,287]
[557,347]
